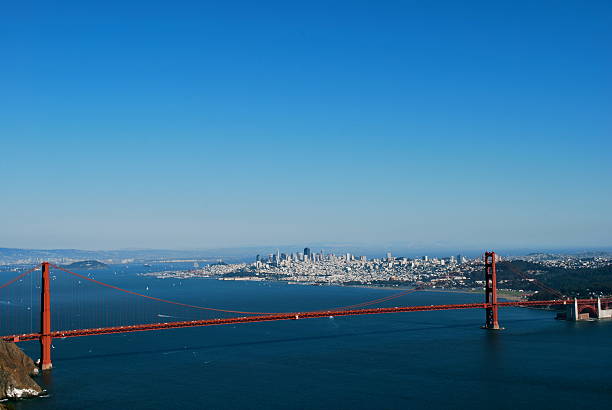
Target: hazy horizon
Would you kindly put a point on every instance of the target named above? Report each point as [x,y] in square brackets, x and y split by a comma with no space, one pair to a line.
[360,249]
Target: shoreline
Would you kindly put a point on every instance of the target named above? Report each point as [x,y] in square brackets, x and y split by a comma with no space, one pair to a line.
[502,294]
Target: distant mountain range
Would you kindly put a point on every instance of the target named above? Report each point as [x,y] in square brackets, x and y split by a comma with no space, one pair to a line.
[64,256]
[238,254]
[17,255]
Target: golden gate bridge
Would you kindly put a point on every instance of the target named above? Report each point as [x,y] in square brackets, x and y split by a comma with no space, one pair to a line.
[490,305]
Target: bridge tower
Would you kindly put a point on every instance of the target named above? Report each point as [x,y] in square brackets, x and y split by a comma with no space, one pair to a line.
[45,320]
[491,318]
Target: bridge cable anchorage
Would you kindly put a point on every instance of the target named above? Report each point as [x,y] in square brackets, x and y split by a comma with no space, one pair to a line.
[380,300]
[19,277]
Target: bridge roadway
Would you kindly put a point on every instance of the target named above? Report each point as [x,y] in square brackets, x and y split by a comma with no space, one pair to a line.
[281,316]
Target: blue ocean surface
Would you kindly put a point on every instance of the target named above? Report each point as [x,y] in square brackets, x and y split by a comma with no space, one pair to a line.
[433,360]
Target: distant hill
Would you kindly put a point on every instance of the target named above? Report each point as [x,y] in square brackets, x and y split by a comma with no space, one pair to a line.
[88,265]
[579,282]
[32,256]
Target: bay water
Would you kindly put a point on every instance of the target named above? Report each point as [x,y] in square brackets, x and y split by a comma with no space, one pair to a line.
[432,360]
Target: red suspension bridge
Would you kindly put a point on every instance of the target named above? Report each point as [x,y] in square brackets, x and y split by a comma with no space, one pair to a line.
[46,334]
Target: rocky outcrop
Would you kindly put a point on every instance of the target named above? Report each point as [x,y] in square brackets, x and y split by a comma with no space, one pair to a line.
[16,369]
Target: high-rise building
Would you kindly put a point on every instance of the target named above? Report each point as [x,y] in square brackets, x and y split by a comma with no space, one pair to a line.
[389,256]
[306,251]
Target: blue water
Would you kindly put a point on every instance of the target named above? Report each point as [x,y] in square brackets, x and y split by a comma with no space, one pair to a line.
[434,360]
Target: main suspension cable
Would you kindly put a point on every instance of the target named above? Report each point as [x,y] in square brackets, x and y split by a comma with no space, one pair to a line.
[537,282]
[159,299]
[363,304]
[377,301]
[19,277]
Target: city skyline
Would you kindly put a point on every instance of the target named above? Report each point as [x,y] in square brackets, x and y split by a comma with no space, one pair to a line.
[305,204]
[10,256]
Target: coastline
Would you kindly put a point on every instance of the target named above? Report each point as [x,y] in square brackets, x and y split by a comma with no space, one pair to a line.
[508,295]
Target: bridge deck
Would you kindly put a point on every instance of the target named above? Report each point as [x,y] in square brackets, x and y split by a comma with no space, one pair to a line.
[275,317]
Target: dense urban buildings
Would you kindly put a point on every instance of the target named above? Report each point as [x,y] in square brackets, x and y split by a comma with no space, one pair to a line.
[435,272]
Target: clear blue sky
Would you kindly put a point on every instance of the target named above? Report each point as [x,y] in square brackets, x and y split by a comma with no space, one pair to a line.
[410,123]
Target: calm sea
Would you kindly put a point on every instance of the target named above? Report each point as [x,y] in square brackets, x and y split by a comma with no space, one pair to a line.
[433,360]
